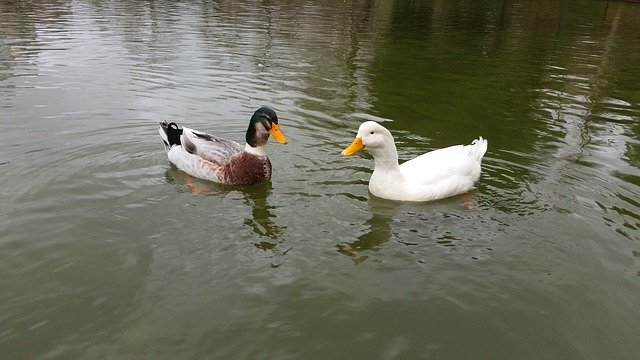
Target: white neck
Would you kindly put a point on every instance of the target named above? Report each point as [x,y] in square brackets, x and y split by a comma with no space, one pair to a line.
[385,158]
[389,168]
[386,179]
[258,150]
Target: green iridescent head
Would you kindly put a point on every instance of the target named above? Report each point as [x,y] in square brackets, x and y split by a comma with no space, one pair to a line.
[264,122]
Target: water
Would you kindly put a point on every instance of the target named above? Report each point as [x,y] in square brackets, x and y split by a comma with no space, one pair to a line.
[105,253]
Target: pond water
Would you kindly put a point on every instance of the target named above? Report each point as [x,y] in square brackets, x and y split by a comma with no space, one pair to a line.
[105,253]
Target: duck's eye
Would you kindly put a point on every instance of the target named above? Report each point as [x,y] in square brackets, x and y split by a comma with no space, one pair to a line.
[372,133]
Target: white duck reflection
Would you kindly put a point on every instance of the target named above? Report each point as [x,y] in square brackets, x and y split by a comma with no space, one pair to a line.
[379,231]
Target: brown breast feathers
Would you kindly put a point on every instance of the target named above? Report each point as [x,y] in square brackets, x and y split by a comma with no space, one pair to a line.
[246,168]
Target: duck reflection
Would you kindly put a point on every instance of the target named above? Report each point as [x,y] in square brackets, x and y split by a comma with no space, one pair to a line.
[261,221]
[379,231]
[256,196]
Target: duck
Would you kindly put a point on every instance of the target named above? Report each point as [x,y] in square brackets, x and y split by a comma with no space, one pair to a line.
[431,176]
[221,160]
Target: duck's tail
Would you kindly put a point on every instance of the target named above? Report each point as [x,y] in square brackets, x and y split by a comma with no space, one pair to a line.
[170,134]
[479,147]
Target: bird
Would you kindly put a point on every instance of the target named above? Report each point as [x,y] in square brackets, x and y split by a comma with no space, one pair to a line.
[220,160]
[431,176]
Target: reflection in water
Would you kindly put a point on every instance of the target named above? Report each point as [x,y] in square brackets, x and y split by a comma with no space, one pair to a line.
[378,230]
[261,220]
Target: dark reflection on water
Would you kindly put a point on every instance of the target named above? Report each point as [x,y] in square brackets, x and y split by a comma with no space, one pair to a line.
[107,252]
[255,197]
[262,220]
[378,231]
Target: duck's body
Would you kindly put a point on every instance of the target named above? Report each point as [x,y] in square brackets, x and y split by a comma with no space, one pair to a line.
[210,157]
[435,175]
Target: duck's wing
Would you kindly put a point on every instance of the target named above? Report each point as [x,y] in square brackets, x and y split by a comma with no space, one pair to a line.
[207,146]
[459,161]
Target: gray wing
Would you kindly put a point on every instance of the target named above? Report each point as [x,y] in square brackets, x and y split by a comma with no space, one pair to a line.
[209,147]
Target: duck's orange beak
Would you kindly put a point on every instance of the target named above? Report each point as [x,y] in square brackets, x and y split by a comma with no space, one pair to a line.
[277,134]
[355,146]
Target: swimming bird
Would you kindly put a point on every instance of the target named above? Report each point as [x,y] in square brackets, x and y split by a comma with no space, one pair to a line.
[213,158]
[434,175]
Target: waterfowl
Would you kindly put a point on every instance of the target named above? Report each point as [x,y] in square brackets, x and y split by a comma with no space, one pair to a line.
[213,158]
[435,175]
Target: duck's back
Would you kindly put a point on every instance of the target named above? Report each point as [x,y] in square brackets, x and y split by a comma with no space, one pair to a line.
[208,146]
[448,164]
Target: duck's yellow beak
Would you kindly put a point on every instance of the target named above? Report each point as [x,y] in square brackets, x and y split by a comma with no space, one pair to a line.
[277,134]
[355,146]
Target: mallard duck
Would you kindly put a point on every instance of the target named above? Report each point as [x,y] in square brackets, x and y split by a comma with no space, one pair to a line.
[210,157]
[431,176]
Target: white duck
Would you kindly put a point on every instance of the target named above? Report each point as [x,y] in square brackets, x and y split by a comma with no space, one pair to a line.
[435,175]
